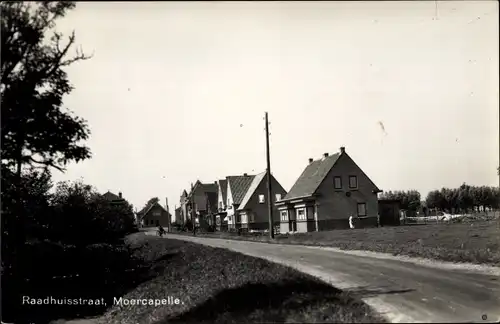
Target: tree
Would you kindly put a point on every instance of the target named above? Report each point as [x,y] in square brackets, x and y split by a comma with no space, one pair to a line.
[36,130]
[435,199]
[83,216]
[152,201]
[410,200]
[464,198]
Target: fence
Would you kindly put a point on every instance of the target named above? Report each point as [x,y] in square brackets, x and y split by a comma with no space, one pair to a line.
[443,218]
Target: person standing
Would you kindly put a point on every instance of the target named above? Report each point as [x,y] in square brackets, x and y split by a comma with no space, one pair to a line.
[351,222]
[378,220]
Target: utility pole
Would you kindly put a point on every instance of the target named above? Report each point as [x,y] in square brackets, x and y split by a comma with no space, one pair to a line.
[269,188]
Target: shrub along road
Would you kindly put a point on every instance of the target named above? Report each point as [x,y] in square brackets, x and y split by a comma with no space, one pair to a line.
[402,291]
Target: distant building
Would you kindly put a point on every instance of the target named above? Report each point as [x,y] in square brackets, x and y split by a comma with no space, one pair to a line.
[112,197]
[154,215]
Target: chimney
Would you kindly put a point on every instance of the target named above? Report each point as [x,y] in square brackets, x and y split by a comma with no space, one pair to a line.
[215,182]
[192,186]
[325,154]
[310,160]
[245,174]
[342,149]
[166,203]
[120,195]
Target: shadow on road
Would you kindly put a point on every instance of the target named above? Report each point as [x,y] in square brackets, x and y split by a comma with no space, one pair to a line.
[251,301]
[365,292]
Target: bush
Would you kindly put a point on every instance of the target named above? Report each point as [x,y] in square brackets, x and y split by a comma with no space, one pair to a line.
[72,246]
[67,271]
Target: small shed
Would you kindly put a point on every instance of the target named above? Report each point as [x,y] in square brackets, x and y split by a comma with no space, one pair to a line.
[389,211]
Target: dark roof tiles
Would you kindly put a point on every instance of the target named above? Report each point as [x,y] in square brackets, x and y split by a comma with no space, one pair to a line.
[312,176]
[239,186]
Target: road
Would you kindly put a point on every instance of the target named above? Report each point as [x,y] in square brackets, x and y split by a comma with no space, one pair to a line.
[401,291]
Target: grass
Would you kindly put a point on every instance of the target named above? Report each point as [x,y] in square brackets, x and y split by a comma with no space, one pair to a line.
[217,285]
[477,242]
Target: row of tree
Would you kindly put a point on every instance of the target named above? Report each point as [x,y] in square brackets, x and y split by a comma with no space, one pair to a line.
[464,198]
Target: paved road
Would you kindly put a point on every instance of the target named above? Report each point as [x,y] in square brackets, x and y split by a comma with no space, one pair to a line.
[402,291]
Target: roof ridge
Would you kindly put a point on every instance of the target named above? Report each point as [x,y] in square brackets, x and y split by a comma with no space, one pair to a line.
[251,189]
[312,176]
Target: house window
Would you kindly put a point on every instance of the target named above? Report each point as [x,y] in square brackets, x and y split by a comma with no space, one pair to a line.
[157,222]
[337,182]
[278,197]
[156,213]
[261,199]
[353,182]
[251,218]
[310,213]
[238,219]
[284,216]
[361,209]
[244,219]
[301,214]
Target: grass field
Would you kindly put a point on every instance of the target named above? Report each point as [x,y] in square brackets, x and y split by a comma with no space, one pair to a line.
[477,242]
[220,286]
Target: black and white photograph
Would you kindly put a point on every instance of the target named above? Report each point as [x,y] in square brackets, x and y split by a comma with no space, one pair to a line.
[250,162]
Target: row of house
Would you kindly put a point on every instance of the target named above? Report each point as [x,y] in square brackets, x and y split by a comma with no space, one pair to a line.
[238,201]
[324,196]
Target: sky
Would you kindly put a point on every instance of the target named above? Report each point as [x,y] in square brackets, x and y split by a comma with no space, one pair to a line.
[177,91]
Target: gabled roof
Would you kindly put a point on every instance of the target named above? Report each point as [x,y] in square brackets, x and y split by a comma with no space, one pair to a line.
[223,188]
[147,209]
[198,182]
[312,176]
[207,187]
[251,189]
[210,187]
[239,186]
[111,196]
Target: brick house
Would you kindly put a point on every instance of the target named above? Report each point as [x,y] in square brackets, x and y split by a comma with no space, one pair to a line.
[327,192]
[113,198]
[253,209]
[237,187]
[154,215]
[220,216]
[184,207]
[202,200]
[177,215]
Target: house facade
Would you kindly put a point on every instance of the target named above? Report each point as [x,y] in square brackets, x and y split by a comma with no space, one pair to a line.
[220,216]
[177,215]
[201,203]
[184,207]
[326,194]
[253,210]
[155,215]
[237,187]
